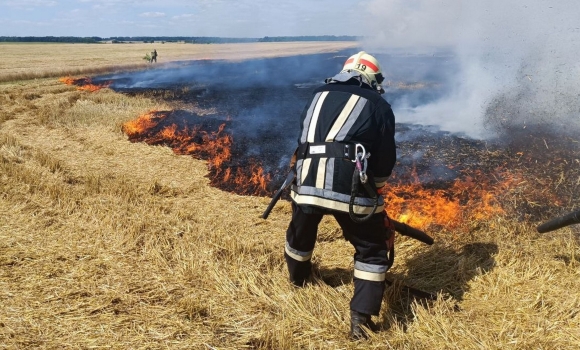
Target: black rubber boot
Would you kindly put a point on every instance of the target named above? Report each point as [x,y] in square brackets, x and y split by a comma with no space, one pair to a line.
[357,322]
[299,271]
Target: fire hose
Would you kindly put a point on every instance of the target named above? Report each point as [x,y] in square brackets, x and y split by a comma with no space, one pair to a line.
[412,232]
[554,224]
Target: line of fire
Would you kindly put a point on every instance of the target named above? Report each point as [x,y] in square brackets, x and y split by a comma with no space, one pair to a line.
[241,117]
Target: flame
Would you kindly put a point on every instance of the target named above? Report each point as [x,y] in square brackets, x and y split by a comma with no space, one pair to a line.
[257,179]
[137,127]
[67,80]
[473,196]
[84,84]
[467,199]
[215,147]
[251,180]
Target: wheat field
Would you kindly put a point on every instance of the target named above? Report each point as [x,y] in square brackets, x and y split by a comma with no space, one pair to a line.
[42,60]
[106,243]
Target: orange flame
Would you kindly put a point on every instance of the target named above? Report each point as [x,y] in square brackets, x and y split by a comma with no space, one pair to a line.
[465,201]
[84,84]
[147,121]
[257,179]
[213,146]
[469,198]
[67,80]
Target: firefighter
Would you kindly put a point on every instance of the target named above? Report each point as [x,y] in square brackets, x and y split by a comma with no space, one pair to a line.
[346,152]
[154,56]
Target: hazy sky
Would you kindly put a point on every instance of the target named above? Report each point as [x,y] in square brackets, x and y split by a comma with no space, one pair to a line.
[224,18]
[518,58]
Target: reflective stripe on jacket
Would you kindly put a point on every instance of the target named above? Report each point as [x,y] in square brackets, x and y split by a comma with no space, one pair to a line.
[345,113]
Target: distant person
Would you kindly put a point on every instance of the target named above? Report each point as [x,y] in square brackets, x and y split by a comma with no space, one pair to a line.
[154,56]
[346,151]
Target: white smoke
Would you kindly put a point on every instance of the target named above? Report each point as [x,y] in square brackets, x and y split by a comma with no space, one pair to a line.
[519,59]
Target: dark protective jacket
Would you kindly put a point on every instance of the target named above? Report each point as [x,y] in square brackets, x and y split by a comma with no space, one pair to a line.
[343,113]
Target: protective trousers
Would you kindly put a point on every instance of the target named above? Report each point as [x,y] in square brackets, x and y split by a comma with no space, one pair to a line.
[370,258]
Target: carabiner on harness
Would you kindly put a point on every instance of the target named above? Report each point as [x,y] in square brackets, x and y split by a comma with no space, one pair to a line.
[361,160]
[360,175]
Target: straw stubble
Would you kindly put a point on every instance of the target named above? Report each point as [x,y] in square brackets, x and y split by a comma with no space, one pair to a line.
[107,243]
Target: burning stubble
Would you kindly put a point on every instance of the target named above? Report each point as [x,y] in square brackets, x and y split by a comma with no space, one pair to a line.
[106,242]
[84,84]
[242,118]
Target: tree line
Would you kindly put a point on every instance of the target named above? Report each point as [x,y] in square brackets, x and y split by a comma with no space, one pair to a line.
[186,39]
[309,38]
[50,39]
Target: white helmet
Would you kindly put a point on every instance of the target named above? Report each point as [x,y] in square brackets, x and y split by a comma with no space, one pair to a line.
[367,66]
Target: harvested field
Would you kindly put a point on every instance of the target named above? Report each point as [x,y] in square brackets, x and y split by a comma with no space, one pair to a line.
[109,243]
[41,60]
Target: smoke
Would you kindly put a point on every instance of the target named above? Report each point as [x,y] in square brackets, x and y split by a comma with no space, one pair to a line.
[230,74]
[517,61]
[258,100]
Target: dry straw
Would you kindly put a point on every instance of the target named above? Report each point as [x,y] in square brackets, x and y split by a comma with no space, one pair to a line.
[110,244]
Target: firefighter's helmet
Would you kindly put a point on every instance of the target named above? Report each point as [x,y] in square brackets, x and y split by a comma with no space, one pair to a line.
[367,66]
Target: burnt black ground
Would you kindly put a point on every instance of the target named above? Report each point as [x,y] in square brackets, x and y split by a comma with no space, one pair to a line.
[260,102]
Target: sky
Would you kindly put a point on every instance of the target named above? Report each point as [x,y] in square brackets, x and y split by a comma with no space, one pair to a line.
[518,59]
[221,18]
